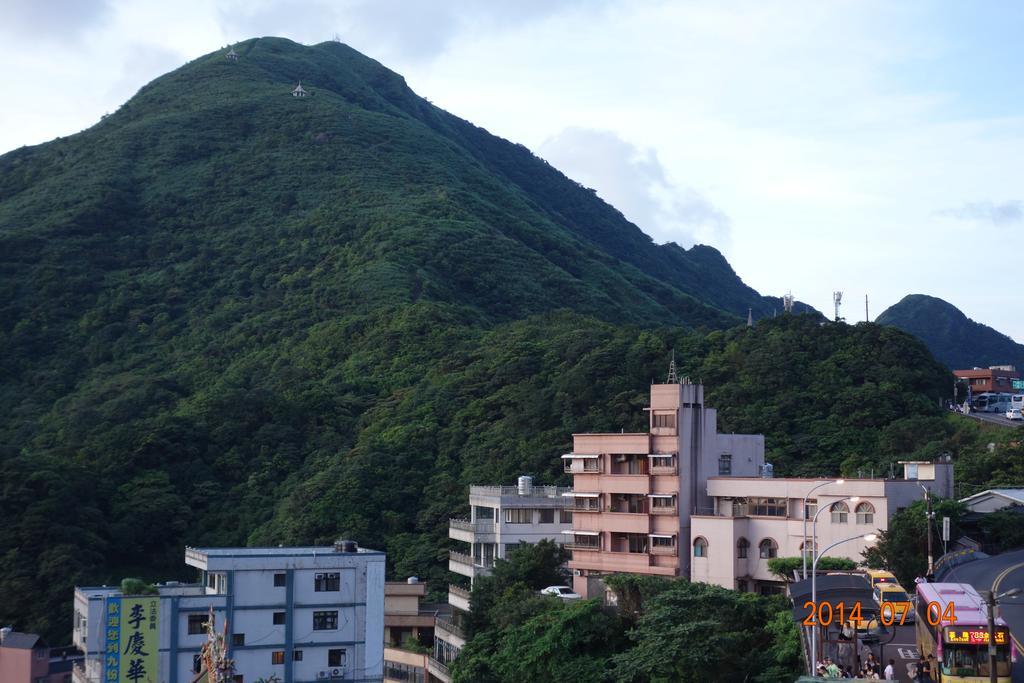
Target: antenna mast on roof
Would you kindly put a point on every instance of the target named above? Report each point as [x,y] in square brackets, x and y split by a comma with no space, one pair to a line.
[673,377]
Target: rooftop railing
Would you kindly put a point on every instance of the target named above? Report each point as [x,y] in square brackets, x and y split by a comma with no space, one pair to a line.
[535,491]
[479,526]
[450,627]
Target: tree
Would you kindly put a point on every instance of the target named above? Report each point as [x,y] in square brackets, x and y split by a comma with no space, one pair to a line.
[783,567]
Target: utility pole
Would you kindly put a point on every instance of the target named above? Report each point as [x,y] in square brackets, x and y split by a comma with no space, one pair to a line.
[928,520]
[990,600]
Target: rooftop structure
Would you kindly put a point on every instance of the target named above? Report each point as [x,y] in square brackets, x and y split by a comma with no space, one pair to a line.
[299,91]
[232,55]
[26,658]
[303,614]
[993,499]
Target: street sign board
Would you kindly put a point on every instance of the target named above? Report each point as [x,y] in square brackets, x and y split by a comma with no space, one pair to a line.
[1018,384]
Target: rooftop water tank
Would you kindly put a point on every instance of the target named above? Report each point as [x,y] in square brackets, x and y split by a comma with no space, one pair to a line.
[525,485]
[345,546]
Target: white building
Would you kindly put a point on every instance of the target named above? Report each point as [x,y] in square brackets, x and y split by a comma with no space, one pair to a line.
[755,519]
[993,499]
[305,615]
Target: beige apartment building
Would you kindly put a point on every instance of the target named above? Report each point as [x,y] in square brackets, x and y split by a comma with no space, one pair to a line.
[633,494]
[755,519]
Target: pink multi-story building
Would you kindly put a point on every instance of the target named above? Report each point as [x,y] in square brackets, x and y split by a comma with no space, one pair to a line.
[633,494]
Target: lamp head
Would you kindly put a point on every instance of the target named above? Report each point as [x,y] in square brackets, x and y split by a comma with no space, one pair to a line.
[854,499]
[840,481]
[1010,593]
[871,538]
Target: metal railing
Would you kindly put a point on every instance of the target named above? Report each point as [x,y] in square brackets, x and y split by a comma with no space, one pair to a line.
[535,492]
[450,627]
[438,665]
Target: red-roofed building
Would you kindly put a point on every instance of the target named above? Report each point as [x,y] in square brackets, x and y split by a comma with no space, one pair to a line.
[998,378]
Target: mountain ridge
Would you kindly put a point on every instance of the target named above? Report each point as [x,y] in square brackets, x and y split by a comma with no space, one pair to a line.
[956,340]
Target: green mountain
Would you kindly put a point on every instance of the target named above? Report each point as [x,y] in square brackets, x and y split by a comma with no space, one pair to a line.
[229,315]
[952,337]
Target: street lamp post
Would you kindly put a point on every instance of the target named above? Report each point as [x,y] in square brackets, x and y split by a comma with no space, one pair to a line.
[991,599]
[928,523]
[870,538]
[803,551]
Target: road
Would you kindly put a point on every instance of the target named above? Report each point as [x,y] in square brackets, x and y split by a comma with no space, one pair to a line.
[996,418]
[999,573]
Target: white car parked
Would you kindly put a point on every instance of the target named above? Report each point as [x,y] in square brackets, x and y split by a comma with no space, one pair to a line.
[563,592]
[1014,414]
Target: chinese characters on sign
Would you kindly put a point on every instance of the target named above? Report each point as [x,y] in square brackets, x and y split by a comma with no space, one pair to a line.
[133,638]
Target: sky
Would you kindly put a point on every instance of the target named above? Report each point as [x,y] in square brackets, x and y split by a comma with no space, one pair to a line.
[868,147]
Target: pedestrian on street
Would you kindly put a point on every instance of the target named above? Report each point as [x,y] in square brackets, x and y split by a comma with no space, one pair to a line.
[890,670]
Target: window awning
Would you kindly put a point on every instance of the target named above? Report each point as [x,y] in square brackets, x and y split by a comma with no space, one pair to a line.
[571,456]
[661,495]
[582,533]
[577,494]
[660,535]
[661,455]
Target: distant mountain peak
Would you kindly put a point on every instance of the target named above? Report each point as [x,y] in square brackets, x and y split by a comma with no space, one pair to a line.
[952,337]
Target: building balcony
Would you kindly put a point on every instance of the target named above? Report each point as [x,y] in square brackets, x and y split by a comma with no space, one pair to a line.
[658,550]
[660,510]
[583,466]
[458,597]
[438,670]
[450,632]
[464,564]
[480,531]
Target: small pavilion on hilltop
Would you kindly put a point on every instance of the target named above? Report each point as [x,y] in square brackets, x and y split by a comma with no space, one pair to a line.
[232,55]
[299,91]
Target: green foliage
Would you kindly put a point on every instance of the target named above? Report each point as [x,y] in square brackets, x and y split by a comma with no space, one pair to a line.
[783,567]
[692,633]
[952,337]
[130,586]
[1003,530]
[903,548]
[228,316]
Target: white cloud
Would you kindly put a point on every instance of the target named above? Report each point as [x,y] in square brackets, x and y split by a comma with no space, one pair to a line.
[634,181]
[1006,213]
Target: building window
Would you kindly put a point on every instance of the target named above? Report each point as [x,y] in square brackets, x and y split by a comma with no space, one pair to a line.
[278,618]
[239,678]
[767,507]
[665,462]
[865,513]
[810,551]
[197,663]
[768,549]
[335,658]
[238,639]
[565,516]
[634,503]
[810,509]
[277,657]
[742,548]
[663,541]
[588,542]
[741,585]
[296,655]
[197,623]
[629,463]
[664,420]
[547,515]
[911,470]
[840,513]
[519,516]
[509,547]
[724,464]
[325,621]
[330,581]
[662,503]
[700,547]
[279,580]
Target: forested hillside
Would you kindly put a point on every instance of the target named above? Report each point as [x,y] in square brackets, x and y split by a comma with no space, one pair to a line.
[952,337]
[232,316]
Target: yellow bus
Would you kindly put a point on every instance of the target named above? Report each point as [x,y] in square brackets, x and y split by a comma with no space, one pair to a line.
[877,576]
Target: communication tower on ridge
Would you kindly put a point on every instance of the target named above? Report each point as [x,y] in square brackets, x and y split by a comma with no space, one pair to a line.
[787,302]
[837,297]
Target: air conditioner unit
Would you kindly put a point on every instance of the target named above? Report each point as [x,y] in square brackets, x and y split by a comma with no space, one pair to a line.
[577,572]
[322,675]
[337,672]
